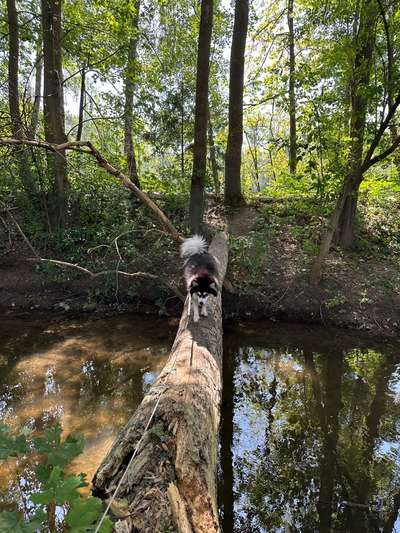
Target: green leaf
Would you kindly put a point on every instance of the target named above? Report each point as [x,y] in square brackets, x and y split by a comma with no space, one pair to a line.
[59,489]
[59,453]
[11,446]
[85,514]
[13,522]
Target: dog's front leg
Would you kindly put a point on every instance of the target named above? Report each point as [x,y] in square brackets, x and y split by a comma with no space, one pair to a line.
[195,299]
[204,309]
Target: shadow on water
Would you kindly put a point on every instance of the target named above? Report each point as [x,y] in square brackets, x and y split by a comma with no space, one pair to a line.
[310,432]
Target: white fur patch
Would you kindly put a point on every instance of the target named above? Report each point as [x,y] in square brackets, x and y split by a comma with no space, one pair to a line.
[193,245]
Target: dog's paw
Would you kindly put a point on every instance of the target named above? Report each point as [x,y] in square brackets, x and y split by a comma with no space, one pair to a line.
[196,318]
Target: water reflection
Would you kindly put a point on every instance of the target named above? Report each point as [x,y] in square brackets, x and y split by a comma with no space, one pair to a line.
[89,375]
[310,417]
[310,433]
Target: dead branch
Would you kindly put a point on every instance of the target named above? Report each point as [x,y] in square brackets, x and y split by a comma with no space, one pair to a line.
[87,147]
[89,272]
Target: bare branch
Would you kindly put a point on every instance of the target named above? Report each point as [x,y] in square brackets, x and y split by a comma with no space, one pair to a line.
[93,274]
[87,147]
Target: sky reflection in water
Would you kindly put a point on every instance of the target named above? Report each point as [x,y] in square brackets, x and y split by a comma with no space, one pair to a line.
[310,416]
[310,433]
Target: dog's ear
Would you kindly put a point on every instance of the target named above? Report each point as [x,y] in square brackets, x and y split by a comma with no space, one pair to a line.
[212,289]
[193,286]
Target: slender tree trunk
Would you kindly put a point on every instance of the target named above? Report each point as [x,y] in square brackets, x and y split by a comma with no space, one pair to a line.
[171,484]
[196,207]
[292,96]
[233,156]
[130,82]
[387,23]
[341,222]
[82,103]
[254,157]
[182,133]
[53,107]
[38,88]
[13,97]
[213,159]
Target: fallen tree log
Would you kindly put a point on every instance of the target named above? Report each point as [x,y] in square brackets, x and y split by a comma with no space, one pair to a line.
[171,482]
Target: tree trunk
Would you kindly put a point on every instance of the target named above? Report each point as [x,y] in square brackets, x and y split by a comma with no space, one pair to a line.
[53,108]
[292,100]
[213,159]
[38,87]
[13,97]
[171,482]
[130,82]
[196,207]
[82,103]
[233,156]
[182,109]
[341,221]
[359,107]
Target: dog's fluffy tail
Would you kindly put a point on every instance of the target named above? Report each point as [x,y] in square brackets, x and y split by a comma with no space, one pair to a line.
[193,245]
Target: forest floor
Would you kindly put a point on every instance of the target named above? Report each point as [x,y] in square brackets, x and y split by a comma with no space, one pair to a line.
[271,249]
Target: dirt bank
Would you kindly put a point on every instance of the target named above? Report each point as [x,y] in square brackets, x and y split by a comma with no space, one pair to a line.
[356,293]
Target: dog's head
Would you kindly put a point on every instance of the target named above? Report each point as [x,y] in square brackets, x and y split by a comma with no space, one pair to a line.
[203,287]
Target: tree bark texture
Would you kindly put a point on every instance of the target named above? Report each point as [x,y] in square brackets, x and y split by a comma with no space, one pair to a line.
[130,82]
[196,207]
[233,156]
[13,97]
[172,480]
[292,96]
[53,107]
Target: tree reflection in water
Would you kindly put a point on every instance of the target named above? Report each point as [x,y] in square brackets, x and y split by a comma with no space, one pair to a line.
[313,440]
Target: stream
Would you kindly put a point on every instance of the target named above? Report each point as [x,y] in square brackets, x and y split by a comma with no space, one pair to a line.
[310,415]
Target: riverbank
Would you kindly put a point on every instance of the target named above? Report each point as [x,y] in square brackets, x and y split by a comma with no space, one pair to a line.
[270,255]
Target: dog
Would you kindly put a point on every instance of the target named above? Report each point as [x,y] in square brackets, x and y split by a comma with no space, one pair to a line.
[201,274]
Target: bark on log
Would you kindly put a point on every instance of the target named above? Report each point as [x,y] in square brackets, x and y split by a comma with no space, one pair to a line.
[172,480]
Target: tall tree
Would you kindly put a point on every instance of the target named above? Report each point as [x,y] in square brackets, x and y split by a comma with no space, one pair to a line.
[292,96]
[53,107]
[233,156]
[38,87]
[130,79]
[196,208]
[342,219]
[82,103]
[360,98]
[17,127]
[213,158]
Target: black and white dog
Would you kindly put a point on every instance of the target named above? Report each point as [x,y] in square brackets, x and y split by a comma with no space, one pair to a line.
[201,274]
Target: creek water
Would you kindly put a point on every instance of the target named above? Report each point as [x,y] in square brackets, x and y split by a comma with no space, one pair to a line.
[310,416]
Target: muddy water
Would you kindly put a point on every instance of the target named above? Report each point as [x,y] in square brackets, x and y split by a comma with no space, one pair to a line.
[310,416]
[89,375]
[310,432]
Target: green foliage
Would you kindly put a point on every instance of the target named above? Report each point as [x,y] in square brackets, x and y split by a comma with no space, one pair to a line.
[57,489]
